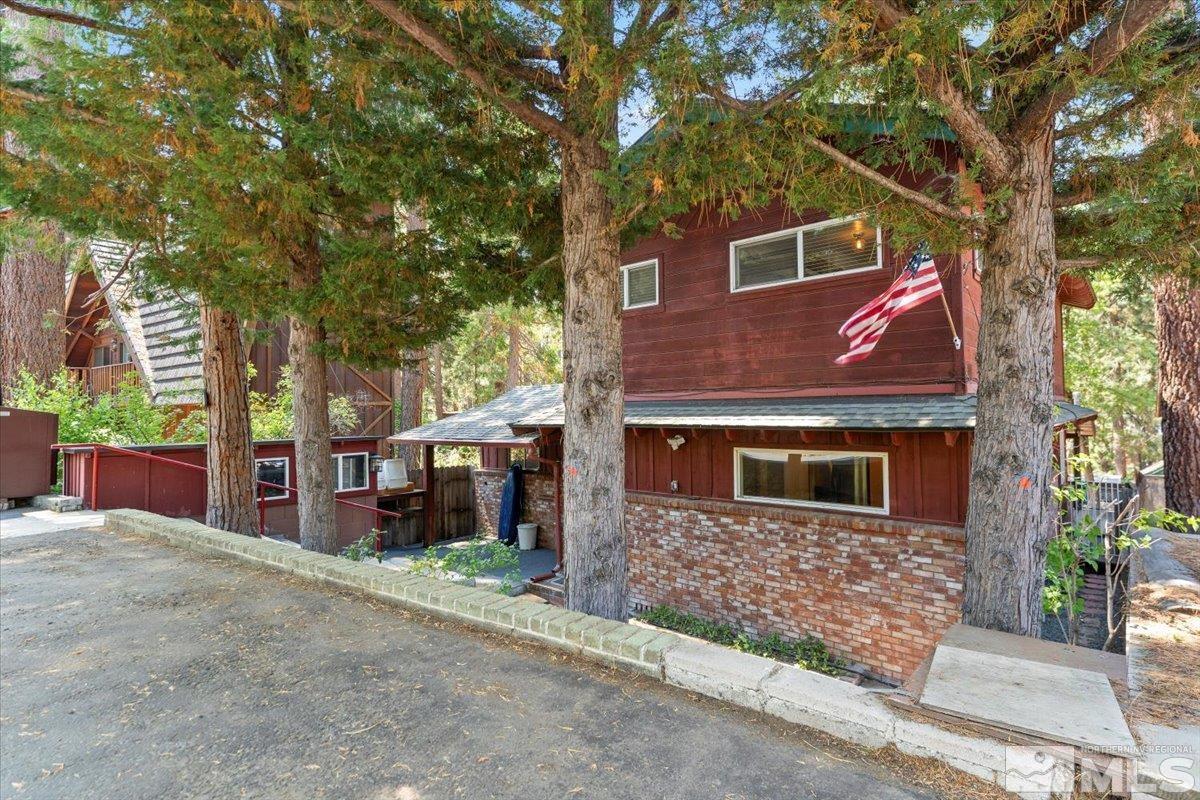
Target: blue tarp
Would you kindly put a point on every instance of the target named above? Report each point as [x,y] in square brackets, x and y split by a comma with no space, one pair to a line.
[510,504]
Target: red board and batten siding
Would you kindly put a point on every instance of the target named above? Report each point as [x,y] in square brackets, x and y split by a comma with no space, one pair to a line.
[704,339]
[927,474]
[126,481]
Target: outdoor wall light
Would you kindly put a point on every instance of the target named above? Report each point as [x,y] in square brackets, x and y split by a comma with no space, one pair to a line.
[376,463]
[676,442]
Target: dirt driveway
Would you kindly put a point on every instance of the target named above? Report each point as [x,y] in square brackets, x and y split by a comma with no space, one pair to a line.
[133,670]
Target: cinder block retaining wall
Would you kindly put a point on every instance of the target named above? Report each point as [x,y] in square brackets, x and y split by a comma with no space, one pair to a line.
[807,698]
[879,592]
[538,506]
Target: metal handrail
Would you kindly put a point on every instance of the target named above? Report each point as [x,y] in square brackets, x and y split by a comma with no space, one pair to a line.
[96,447]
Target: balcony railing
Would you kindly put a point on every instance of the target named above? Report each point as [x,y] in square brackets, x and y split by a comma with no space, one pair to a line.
[103,380]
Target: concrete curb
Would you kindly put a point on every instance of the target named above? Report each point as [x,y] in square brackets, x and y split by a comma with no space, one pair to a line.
[817,701]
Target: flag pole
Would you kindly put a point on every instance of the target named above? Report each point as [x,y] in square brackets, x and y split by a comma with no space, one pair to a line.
[950,319]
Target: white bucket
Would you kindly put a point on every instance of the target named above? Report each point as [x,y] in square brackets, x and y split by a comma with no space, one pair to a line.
[527,535]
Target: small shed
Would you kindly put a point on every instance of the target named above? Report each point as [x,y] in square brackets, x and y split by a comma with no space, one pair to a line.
[27,464]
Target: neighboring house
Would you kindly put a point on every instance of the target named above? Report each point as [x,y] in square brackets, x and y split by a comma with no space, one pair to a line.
[768,487]
[111,331]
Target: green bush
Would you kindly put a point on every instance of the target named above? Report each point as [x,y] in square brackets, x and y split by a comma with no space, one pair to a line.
[124,418]
[808,653]
[363,548]
[471,560]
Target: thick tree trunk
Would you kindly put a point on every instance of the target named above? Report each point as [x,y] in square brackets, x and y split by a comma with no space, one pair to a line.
[1010,514]
[230,482]
[310,396]
[594,432]
[32,274]
[408,386]
[1120,457]
[1177,307]
[436,387]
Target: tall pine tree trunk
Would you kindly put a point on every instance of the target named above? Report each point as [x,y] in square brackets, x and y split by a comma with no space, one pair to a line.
[310,398]
[594,433]
[1177,310]
[1010,513]
[32,275]
[408,386]
[230,482]
[436,387]
[512,377]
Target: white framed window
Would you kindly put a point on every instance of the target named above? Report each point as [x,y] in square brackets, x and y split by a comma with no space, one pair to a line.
[639,284]
[350,471]
[271,470]
[832,247]
[831,479]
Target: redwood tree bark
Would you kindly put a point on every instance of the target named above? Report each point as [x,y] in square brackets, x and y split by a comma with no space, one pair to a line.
[1010,512]
[310,397]
[32,275]
[593,434]
[408,387]
[1177,307]
[229,454]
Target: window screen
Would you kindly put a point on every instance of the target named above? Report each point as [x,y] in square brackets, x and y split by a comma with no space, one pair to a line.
[839,248]
[641,284]
[272,470]
[854,480]
[350,472]
[765,262]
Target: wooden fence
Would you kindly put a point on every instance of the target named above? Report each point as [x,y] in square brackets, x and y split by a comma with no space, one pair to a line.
[454,508]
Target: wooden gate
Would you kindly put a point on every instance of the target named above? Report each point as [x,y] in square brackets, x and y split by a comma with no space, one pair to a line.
[454,509]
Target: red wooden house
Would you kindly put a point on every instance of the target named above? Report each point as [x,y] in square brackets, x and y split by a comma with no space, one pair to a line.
[767,486]
[113,331]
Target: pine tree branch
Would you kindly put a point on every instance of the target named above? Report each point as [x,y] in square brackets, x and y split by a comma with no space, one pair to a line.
[1179,56]
[1131,21]
[961,115]
[425,35]
[911,195]
[67,17]
[34,97]
[838,157]
[1074,198]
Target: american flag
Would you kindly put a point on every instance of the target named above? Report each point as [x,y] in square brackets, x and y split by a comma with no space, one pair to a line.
[918,283]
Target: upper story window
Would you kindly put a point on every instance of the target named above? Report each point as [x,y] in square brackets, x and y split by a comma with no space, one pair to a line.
[350,471]
[832,247]
[830,479]
[639,284]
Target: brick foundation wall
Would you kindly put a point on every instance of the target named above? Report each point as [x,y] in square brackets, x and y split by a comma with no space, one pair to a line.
[538,506]
[879,592]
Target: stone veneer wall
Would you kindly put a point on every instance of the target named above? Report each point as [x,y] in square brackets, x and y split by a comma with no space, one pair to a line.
[878,591]
[538,506]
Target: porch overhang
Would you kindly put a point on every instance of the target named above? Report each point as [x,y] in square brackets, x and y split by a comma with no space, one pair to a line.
[519,416]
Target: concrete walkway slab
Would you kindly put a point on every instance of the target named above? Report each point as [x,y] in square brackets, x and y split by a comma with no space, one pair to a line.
[1051,701]
[31,521]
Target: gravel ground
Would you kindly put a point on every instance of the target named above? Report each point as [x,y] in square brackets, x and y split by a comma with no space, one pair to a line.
[133,670]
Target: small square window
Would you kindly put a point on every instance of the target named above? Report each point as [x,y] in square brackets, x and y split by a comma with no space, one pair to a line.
[350,471]
[271,470]
[639,284]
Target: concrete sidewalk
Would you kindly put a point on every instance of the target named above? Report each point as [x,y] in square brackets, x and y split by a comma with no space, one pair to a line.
[29,521]
[137,670]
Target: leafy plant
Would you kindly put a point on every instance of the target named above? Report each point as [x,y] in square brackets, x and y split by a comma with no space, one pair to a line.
[470,560]
[808,653]
[124,418]
[363,548]
[1088,544]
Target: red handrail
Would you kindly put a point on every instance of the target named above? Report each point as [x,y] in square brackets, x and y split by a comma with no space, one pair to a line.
[96,447]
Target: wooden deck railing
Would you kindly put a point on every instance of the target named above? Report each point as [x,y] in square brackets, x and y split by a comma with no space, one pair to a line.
[103,380]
